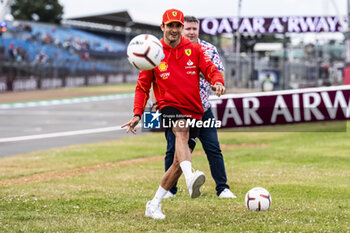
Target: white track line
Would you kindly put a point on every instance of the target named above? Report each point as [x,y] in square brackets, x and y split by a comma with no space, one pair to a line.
[77,100]
[64,134]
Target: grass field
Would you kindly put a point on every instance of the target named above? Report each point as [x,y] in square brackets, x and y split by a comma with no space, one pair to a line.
[104,187]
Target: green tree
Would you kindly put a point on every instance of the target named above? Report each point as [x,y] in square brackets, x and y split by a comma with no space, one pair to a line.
[49,11]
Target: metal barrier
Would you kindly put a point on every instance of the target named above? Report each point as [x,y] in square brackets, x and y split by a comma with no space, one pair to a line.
[294,74]
[16,76]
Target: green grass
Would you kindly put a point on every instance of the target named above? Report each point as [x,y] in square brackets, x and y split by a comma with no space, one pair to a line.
[307,174]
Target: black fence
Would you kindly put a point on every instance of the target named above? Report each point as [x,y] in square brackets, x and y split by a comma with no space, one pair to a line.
[16,76]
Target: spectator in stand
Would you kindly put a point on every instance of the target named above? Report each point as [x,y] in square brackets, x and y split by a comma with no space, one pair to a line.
[76,44]
[85,56]
[107,48]
[21,54]
[66,44]
[47,39]
[41,58]
[27,28]
[56,41]
[86,44]
[12,52]
[35,37]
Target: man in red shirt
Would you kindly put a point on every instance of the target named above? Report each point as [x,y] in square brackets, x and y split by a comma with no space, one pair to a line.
[176,88]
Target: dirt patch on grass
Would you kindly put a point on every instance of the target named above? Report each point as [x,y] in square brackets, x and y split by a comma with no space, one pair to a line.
[83,170]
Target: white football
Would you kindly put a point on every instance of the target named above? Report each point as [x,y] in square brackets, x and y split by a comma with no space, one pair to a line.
[258,199]
[145,52]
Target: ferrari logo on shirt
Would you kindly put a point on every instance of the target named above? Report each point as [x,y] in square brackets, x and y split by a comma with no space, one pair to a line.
[188,52]
[174,13]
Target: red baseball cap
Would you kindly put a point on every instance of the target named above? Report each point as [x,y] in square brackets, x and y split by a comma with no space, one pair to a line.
[173,15]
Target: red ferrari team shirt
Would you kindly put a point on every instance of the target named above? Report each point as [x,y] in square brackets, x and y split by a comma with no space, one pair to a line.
[176,79]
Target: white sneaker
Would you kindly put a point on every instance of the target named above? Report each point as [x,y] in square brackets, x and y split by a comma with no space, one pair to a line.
[226,193]
[194,184]
[169,195]
[154,211]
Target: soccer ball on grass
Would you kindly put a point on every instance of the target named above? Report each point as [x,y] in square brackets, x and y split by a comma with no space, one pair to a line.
[258,199]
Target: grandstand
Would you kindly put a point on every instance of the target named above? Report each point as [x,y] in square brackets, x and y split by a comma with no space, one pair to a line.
[32,52]
[52,39]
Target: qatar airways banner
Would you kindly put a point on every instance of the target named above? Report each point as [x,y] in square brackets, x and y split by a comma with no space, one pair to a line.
[261,25]
[282,107]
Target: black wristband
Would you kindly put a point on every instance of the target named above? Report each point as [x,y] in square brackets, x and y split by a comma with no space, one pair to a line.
[137,116]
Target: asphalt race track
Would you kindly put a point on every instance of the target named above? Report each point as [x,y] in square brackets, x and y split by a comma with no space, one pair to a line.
[34,128]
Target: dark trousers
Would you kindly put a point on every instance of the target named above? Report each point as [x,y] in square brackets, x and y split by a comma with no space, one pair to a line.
[211,146]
